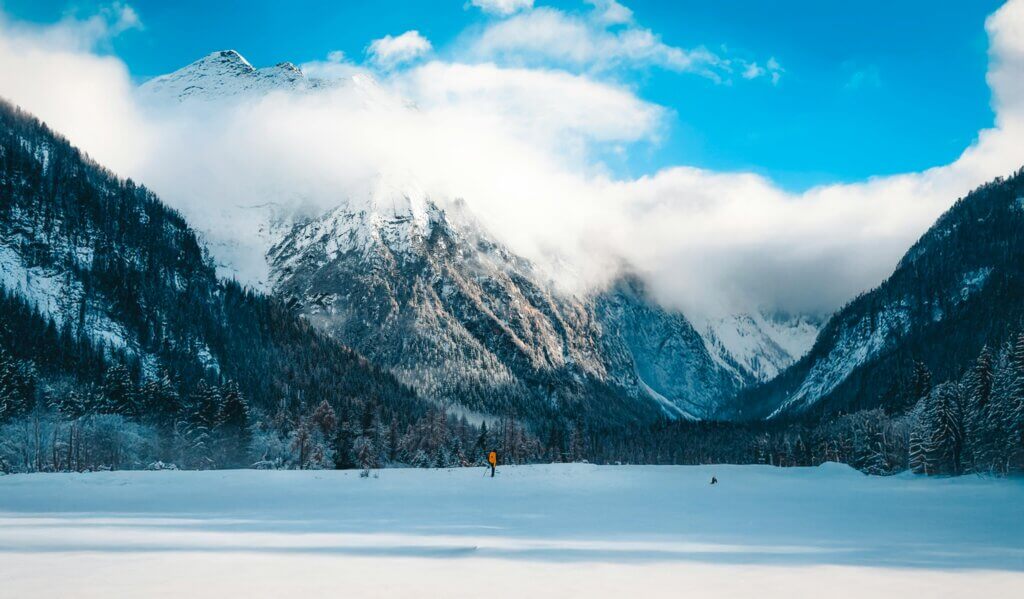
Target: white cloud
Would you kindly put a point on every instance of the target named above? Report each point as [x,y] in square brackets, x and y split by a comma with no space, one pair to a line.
[611,12]
[753,71]
[604,39]
[335,67]
[389,51]
[775,70]
[502,7]
[123,18]
[772,69]
[542,102]
[53,72]
[522,146]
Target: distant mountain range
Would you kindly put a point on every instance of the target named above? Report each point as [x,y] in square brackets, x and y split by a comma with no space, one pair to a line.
[420,287]
[402,295]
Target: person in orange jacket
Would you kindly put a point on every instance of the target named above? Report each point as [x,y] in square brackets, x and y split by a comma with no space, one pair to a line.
[492,459]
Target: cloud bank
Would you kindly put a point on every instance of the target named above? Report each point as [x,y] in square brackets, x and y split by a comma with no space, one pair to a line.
[522,144]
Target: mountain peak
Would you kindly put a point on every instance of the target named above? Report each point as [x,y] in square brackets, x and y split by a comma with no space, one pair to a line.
[228,56]
[226,61]
[223,74]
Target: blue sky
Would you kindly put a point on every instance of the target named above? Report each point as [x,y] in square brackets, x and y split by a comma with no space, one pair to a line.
[869,88]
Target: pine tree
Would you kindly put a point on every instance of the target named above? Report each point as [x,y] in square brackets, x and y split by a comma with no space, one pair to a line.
[393,441]
[920,382]
[119,392]
[344,440]
[18,381]
[161,404]
[482,442]
[302,443]
[919,455]
[979,436]
[1013,417]
[196,433]
[365,454]
[233,432]
[946,432]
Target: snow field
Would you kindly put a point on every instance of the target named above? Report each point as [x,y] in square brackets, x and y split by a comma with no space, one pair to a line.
[539,531]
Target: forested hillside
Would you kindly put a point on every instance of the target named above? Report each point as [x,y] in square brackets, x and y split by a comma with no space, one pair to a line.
[120,345]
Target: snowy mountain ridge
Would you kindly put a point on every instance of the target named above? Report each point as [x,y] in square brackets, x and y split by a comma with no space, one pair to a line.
[761,345]
[427,292]
[226,74]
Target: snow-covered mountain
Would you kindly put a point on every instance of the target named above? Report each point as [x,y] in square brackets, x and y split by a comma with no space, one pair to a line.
[226,74]
[761,344]
[428,292]
[957,289]
[419,286]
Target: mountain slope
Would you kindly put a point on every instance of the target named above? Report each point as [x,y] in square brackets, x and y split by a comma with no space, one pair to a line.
[449,311]
[419,286]
[958,288]
[102,262]
[761,344]
[668,358]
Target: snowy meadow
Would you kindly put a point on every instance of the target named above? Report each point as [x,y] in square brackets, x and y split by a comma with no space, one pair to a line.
[546,530]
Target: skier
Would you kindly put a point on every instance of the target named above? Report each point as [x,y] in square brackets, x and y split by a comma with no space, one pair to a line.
[492,459]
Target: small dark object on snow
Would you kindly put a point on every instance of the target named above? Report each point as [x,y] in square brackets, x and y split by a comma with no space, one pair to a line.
[714,480]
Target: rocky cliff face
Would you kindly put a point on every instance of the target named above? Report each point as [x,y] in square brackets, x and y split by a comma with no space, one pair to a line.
[428,293]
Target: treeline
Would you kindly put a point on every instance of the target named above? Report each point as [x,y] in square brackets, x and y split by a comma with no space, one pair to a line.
[121,424]
[971,425]
[974,424]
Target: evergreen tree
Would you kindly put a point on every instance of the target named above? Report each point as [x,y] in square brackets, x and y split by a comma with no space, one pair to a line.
[394,439]
[920,382]
[119,392]
[979,446]
[233,427]
[344,442]
[17,386]
[946,429]
[1013,412]
[482,441]
[161,404]
[196,433]
[365,454]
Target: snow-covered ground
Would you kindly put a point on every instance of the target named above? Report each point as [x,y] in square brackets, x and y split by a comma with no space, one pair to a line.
[539,531]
